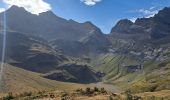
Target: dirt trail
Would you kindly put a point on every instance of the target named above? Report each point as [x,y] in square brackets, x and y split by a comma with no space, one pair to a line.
[108,87]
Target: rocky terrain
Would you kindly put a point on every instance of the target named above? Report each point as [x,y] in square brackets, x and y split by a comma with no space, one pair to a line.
[147,37]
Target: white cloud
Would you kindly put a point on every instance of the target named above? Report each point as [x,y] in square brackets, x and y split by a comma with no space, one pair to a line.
[33,6]
[2,10]
[90,2]
[148,13]
[153,7]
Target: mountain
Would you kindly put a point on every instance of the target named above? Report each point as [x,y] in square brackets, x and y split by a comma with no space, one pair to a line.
[21,49]
[88,46]
[156,27]
[46,24]
[57,49]
[70,48]
[139,51]
[52,28]
[147,37]
[34,54]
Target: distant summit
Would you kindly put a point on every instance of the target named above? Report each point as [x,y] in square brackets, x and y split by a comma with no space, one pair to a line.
[122,26]
[46,25]
[67,34]
[157,26]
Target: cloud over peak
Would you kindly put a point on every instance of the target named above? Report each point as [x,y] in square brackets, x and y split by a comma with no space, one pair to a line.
[146,13]
[33,6]
[2,10]
[90,2]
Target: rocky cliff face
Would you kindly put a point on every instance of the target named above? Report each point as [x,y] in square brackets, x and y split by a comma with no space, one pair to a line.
[146,37]
[156,27]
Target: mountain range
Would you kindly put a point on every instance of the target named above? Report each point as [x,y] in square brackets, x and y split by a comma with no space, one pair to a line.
[69,51]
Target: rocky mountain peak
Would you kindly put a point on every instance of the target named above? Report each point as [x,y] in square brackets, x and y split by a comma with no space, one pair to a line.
[47,25]
[156,27]
[122,25]
[16,8]
[89,23]
[164,12]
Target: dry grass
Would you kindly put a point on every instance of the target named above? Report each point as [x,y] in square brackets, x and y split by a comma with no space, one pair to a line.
[79,94]
[19,80]
[164,94]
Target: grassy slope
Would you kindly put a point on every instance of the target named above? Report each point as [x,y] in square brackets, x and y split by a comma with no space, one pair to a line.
[159,95]
[112,65]
[19,80]
[155,76]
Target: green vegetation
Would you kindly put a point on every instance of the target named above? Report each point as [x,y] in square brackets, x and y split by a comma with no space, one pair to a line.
[113,66]
[154,76]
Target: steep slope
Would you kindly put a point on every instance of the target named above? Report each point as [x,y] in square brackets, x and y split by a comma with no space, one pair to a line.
[34,54]
[31,53]
[73,35]
[155,27]
[70,48]
[73,73]
[153,77]
[88,46]
[147,38]
[138,50]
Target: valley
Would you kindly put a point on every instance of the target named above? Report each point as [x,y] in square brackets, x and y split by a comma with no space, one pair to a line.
[46,54]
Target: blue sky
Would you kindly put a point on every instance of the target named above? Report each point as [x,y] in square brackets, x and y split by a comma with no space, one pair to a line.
[104,13]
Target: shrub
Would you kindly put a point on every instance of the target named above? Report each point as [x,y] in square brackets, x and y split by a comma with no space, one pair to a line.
[129,95]
[79,90]
[103,90]
[52,95]
[27,93]
[96,89]
[64,95]
[153,88]
[88,90]
[9,96]
[110,98]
